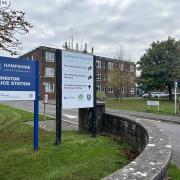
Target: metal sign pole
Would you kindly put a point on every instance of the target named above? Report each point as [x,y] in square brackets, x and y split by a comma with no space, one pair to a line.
[58,96]
[175,96]
[94,103]
[36,107]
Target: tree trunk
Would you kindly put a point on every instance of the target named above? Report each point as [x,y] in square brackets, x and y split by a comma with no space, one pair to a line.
[121,95]
[170,92]
[117,93]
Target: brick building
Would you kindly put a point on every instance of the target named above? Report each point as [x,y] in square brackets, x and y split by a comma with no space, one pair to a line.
[104,66]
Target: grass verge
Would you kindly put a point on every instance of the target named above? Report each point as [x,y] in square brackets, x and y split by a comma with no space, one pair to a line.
[174,172]
[78,157]
[140,105]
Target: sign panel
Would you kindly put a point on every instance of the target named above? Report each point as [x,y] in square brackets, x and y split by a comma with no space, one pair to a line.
[77,80]
[46,98]
[17,79]
[153,103]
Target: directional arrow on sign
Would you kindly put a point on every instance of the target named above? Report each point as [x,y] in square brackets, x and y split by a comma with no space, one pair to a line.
[89,68]
[89,86]
[89,77]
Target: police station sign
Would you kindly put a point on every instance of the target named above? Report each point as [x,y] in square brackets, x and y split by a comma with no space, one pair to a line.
[17,79]
[77,80]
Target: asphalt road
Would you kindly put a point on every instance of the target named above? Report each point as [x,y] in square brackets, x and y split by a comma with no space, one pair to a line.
[67,114]
[172,130]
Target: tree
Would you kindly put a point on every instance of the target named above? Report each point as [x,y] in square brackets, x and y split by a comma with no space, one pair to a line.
[159,66]
[119,79]
[12,22]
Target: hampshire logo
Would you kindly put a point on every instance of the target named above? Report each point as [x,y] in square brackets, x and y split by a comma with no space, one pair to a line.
[88,97]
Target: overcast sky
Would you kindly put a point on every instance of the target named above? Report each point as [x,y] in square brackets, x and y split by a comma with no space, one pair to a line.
[108,25]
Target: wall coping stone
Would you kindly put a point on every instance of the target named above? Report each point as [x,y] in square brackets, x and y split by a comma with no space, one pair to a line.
[153,162]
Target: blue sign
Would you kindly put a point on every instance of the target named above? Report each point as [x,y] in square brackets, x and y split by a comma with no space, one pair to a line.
[19,80]
[17,74]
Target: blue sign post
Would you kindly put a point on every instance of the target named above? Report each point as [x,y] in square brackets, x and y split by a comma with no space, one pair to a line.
[19,80]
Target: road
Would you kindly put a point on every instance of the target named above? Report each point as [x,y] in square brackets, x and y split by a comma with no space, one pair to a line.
[172,130]
[67,114]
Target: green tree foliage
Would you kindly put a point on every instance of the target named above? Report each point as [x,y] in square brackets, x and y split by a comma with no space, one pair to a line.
[12,23]
[159,66]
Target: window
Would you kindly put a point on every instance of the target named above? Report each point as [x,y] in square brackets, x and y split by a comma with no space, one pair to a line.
[49,87]
[104,89]
[104,65]
[122,90]
[98,88]
[98,64]
[110,90]
[121,66]
[132,68]
[49,56]
[109,77]
[32,57]
[98,77]
[49,72]
[110,65]
[131,90]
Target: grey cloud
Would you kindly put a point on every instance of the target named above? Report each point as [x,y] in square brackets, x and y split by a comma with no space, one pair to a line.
[109,25]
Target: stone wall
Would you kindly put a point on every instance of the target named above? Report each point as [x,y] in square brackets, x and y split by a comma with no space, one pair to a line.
[153,144]
[151,141]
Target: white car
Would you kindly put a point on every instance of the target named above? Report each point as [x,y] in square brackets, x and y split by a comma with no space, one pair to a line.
[146,95]
[159,95]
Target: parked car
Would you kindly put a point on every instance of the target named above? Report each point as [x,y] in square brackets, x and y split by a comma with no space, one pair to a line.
[155,95]
[146,95]
[159,95]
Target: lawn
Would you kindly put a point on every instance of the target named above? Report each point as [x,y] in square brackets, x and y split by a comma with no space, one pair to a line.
[174,172]
[78,157]
[140,105]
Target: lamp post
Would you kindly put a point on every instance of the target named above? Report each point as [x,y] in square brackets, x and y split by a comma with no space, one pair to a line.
[176,64]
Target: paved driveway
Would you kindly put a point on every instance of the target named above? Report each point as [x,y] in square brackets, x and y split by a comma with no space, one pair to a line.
[68,114]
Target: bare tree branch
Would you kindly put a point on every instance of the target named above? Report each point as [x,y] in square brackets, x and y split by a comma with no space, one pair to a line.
[12,22]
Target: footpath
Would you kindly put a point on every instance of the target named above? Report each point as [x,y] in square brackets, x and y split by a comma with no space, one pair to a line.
[166,118]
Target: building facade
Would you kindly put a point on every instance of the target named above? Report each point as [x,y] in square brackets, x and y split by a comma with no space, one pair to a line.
[104,67]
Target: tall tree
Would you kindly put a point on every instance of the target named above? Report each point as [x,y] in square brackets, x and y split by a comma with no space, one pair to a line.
[12,23]
[120,81]
[159,66]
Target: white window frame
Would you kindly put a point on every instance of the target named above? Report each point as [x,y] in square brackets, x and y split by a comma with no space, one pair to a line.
[131,90]
[49,56]
[110,65]
[48,87]
[103,89]
[104,65]
[98,77]
[98,88]
[110,90]
[109,77]
[98,64]
[121,66]
[132,68]
[49,72]
[122,90]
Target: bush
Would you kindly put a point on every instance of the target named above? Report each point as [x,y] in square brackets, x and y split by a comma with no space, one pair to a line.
[100,96]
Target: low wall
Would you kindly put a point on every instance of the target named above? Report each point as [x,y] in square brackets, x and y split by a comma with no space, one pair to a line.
[153,144]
